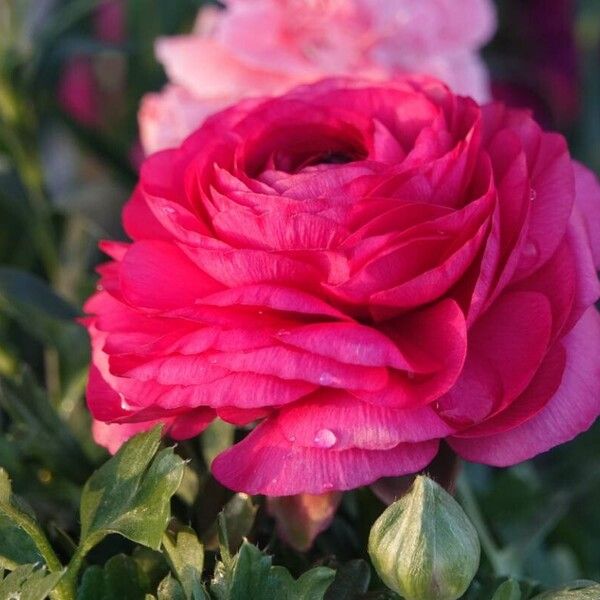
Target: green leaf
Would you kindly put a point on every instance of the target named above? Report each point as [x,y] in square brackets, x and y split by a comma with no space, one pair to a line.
[130,494]
[152,564]
[350,580]
[185,554]
[238,516]
[5,487]
[170,589]
[16,547]
[509,590]
[251,575]
[120,578]
[28,583]
[311,585]
[585,590]
[30,301]
[21,538]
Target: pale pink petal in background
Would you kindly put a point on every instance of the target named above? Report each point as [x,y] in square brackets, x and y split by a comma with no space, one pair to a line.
[264,47]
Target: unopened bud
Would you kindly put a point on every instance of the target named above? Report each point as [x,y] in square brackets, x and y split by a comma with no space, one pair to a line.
[423,546]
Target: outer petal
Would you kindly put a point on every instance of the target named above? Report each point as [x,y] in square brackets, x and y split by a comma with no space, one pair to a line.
[155,274]
[506,347]
[113,435]
[587,201]
[267,463]
[168,117]
[337,420]
[210,70]
[570,411]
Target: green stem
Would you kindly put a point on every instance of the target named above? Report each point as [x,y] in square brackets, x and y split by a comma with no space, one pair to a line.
[31,528]
[500,561]
[69,581]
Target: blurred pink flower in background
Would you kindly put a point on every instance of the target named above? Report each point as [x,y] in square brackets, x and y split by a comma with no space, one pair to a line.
[262,47]
[109,22]
[80,92]
[77,91]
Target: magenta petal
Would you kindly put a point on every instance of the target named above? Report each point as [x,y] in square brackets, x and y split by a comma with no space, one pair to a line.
[155,274]
[572,410]
[191,423]
[587,201]
[113,435]
[246,391]
[350,343]
[265,462]
[337,420]
[276,297]
[139,221]
[506,347]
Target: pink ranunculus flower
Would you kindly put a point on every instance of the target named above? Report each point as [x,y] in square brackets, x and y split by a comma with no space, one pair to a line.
[262,47]
[364,269]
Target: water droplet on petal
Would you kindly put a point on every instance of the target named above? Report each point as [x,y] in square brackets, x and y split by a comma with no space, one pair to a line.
[532,194]
[169,210]
[261,312]
[410,374]
[99,288]
[328,379]
[292,438]
[325,438]
[283,332]
[530,250]
[124,404]
[328,486]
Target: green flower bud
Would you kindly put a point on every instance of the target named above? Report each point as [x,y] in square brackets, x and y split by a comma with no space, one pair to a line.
[423,546]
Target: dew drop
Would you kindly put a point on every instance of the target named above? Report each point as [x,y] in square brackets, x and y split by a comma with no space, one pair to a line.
[532,194]
[99,288]
[283,332]
[169,210]
[325,438]
[292,438]
[261,312]
[124,404]
[328,486]
[530,250]
[328,379]
[410,374]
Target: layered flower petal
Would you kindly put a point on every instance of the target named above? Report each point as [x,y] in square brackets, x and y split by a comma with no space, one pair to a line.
[355,272]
